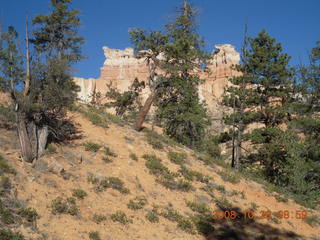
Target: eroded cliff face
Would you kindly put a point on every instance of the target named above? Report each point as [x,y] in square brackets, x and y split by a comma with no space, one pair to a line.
[121,67]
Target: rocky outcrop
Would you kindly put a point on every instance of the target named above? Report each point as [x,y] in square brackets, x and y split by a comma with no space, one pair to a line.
[121,67]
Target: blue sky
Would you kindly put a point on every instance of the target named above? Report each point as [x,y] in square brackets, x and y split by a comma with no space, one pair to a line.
[294,23]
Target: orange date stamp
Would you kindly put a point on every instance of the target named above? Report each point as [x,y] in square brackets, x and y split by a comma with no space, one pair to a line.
[264,214]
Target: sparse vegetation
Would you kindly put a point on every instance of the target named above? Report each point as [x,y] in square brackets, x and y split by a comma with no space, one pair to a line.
[177,157]
[254,206]
[92,147]
[152,216]
[171,214]
[154,140]
[137,203]
[313,220]
[30,214]
[186,225]
[192,175]
[108,182]
[51,148]
[79,193]
[5,168]
[94,236]
[281,198]
[223,203]
[133,156]
[66,206]
[120,217]
[199,207]
[98,218]
[106,159]
[229,176]
[9,235]
[109,152]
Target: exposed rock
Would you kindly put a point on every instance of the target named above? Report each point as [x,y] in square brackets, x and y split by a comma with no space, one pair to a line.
[55,167]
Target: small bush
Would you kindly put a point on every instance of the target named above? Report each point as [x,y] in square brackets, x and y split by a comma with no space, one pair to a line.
[94,236]
[120,217]
[171,214]
[109,152]
[254,206]
[7,216]
[199,207]
[229,177]
[110,182]
[152,217]
[5,168]
[79,193]
[155,166]
[186,225]
[177,158]
[137,203]
[66,206]
[9,235]
[203,224]
[98,218]
[281,198]
[313,221]
[221,188]
[106,159]
[30,214]
[192,175]
[133,157]
[95,118]
[51,148]
[223,203]
[92,147]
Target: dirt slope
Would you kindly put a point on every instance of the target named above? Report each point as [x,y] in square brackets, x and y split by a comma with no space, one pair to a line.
[39,185]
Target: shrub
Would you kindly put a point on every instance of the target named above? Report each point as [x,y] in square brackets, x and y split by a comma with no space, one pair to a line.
[98,218]
[229,176]
[79,193]
[155,166]
[171,214]
[120,217]
[106,159]
[254,206]
[154,141]
[67,206]
[7,117]
[9,235]
[95,118]
[193,175]
[94,236]
[313,221]
[5,168]
[109,152]
[7,216]
[177,158]
[203,224]
[92,147]
[110,182]
[152,217]
[133,157]
[186,225]
[223,203]
[281,198]
[199,207]
[137,203]
[51,148]
[30,214]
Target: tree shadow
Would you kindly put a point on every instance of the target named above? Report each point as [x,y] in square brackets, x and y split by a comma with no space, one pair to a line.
[243,228]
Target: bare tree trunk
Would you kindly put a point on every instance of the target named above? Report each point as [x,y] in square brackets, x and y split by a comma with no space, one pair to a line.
[27,145]
[144,111]
[42,135]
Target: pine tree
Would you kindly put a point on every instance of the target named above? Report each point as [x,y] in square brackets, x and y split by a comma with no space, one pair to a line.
[183,116]
[47,84]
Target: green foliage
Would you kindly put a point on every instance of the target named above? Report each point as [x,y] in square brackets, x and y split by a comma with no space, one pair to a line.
[94,236]
[153,163]
[51,148]
[177,157]
[281,198]
[133,156]
[66,206]
[127,101]
[186,225]
[79,193]
[229,176]
[171,214]
[223,203]
[95,118]
[98,218]
[152,217]
[9,235]
[106,159]
[91,146]
[5,168]
[30,214]
[7,116]
[109,152]
[120,217]
[192,175]
[313,220]
[198,207]
[7,215]
[179,109]
[154,140]
[137,203]
[109,182]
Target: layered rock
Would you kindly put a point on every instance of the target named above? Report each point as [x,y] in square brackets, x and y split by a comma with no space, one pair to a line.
[121,67]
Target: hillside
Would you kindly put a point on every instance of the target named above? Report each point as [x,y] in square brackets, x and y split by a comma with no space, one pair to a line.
[100,172]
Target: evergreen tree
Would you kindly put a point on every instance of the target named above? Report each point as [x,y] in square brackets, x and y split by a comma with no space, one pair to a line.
[48,87]
[183,116]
